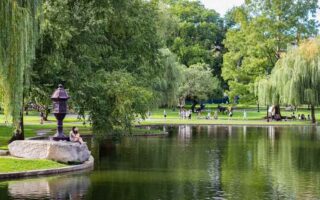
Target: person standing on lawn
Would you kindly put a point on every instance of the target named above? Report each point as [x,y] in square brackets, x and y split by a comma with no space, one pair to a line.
[244,115]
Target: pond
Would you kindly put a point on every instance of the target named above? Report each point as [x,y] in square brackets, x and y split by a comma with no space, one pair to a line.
[192,162]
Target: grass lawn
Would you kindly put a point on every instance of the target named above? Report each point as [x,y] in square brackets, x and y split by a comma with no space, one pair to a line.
[253,117]
[8,164]
[221,122]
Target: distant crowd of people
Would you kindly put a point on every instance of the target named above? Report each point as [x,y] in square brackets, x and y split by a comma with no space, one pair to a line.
[187,113]
[273,114]
[300,117]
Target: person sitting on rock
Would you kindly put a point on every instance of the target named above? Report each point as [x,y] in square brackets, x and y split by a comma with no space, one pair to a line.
[75,135]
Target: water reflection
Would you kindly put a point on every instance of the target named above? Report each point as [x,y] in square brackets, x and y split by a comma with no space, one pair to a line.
[193,162]
[184,133]
[62,187]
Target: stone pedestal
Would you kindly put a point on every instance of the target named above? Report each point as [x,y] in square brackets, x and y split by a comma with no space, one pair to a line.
[62,151]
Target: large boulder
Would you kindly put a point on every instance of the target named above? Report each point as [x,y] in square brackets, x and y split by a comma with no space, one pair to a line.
[62,151]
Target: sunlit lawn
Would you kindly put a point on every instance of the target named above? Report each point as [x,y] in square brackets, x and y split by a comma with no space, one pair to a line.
[8,164]
[253,117]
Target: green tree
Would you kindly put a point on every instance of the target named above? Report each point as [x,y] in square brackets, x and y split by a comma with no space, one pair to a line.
[198,84]
[262,32]
[19,35]
[199,35]
[114,100]
[295,79]
[167,85]
[83,39]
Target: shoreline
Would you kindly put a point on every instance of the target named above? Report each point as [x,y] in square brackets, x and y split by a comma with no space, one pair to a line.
[88,165]
[252,123]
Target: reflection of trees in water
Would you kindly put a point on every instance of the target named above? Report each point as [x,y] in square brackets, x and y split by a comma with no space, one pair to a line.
[218,135]
[283,163]
[184,133]
[220,161]
[295,165]
[212,161]
[3,191]
[64,187]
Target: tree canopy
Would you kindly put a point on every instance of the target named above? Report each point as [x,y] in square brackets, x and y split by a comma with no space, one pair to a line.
[199,35]
[198,83]
[19,30]
[261,33]
[84,42]
[295,79]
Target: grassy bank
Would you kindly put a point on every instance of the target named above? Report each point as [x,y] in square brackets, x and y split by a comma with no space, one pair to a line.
[253,117]
[8,164]
[222,122]
[32,121]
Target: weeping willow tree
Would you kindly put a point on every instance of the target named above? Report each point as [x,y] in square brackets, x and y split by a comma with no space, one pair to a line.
[18,37]
[295,79]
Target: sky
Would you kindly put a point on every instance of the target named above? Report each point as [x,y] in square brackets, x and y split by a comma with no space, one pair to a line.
[221,6]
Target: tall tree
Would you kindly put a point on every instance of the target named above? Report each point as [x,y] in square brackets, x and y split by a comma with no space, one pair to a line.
[19,35]
[262,32]
[83,39]
[198,84]
[167,86]
[295,79]
[199,36]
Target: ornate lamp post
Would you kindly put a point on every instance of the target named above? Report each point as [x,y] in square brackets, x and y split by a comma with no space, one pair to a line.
[60,108]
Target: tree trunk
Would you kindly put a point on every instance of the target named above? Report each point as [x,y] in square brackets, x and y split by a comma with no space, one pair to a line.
[46,113]
[277,110]
[277,113]
[19,132]
[313,116]
[26,109]
[21,126]
[180,103]
[267,113]
[194,105]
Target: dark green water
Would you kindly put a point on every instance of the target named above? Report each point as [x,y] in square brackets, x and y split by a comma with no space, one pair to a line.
[199,162]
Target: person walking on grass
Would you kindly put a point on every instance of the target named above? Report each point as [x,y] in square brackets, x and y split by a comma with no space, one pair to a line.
[215,116]
[186,114]
[230,115]
[164,114]
[230,112]
[209,115]
[244,115]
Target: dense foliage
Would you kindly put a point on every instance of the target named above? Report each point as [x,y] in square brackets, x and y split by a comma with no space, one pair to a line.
[295,79]
[119,58]
[115,60]
[199,35]
[261,32]
[18,38]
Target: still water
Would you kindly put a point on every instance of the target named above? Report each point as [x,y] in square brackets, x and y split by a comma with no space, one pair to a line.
[192,162]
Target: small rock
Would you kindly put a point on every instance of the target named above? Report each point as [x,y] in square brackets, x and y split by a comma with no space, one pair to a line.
[4,152]
[61,151]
